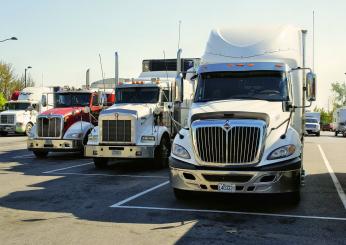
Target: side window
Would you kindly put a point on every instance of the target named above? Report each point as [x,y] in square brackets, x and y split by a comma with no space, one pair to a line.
[164,96]
[95,101]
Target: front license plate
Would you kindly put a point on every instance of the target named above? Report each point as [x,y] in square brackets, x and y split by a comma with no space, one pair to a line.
[48,142]
[226,187]
[116,152]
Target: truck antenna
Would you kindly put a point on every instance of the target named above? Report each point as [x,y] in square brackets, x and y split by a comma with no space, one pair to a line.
[103,77]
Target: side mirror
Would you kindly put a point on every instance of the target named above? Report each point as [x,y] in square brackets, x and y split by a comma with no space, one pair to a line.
[311,86]
[86,109]
[179,87]
[287,106]
[44,100]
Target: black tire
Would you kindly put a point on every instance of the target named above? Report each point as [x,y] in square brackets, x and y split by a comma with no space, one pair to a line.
[100,162]
[40,154]
[162,152]
[293,198]
[318,133]
[336,133]
[28,129]
[181,194]
[3,133]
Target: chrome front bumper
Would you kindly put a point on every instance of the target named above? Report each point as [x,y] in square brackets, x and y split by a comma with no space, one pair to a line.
[55,145]
[119,151]
[249,181]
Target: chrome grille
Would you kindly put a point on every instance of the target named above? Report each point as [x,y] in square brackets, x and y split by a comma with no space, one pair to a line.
[233,144]
[116,130]
[7,119]
[49,127]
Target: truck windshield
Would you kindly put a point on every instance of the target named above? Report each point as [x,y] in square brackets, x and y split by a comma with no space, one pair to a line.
[311,120]
[17,106]
[137,95]
[72,99]
[256,85]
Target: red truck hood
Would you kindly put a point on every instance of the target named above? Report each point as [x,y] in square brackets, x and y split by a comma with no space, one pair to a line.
[62,111]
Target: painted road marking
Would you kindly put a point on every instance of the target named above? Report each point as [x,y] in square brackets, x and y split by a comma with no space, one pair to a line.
[229,212]
[74,166]
[334,178]
[24,156]
[117,175]
[139,194]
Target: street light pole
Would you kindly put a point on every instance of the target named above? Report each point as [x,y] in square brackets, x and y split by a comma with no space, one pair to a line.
[29,67]
[12,38]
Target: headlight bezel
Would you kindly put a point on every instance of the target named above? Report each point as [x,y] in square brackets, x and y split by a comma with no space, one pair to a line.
[282,152]
[183,152]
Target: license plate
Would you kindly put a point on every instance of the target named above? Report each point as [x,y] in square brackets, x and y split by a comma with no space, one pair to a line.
[8,129]
[48,142]
[226,187]
[116,152]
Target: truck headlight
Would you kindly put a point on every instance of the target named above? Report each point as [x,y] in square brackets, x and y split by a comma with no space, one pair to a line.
[180,151]
[281,152]
[75,135]
[147,138]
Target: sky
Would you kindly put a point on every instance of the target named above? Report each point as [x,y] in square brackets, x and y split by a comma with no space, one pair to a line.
[61,39]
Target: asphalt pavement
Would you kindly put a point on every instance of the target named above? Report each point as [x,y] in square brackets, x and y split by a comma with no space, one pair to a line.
[64,200]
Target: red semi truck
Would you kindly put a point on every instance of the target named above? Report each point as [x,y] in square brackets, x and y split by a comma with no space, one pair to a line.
[66,127]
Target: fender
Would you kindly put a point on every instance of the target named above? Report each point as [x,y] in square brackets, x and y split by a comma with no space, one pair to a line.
[161,130]
[78,127]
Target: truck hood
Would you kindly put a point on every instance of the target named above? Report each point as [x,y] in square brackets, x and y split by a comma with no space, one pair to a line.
[62,111]
[140,110]
[272,109]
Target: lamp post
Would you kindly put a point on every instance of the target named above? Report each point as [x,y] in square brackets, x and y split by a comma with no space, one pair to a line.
[29,67]
[7,39]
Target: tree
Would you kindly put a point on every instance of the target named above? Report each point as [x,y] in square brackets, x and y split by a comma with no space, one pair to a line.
[9,82]
[2,101]
[339,92]
[326,116]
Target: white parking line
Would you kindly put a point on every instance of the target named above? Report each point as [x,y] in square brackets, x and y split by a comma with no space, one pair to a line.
[117,175]
[231,212]
[334,178]
[138,195]
[25,156]
[74,166]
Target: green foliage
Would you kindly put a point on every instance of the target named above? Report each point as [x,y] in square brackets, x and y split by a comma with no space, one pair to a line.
[339,92]
[326,116]
[9,81]
[2,101]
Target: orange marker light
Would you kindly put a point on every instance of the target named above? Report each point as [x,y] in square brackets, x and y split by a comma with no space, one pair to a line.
[240,65]
[250,65]
[278,65]
[229,65]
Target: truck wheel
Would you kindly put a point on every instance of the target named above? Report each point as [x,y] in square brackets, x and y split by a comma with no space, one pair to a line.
[28,129]
[181,194]
[100,162]
[161,154]
[318,133]
[293,198]
[40,154]
[336,133]
[3,133]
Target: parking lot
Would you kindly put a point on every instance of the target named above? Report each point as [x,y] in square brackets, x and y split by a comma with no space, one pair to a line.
[64,200]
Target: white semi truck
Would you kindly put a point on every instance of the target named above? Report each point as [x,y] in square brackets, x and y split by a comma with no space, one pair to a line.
[140,124]
[339,121]
[312,123]
[245,127]
[20,115]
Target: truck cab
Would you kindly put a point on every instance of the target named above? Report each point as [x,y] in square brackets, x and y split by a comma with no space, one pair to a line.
[20,115]
[139,125]
[66,126]
[245,126]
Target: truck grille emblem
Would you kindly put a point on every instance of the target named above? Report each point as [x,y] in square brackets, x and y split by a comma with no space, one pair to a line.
[227,126]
